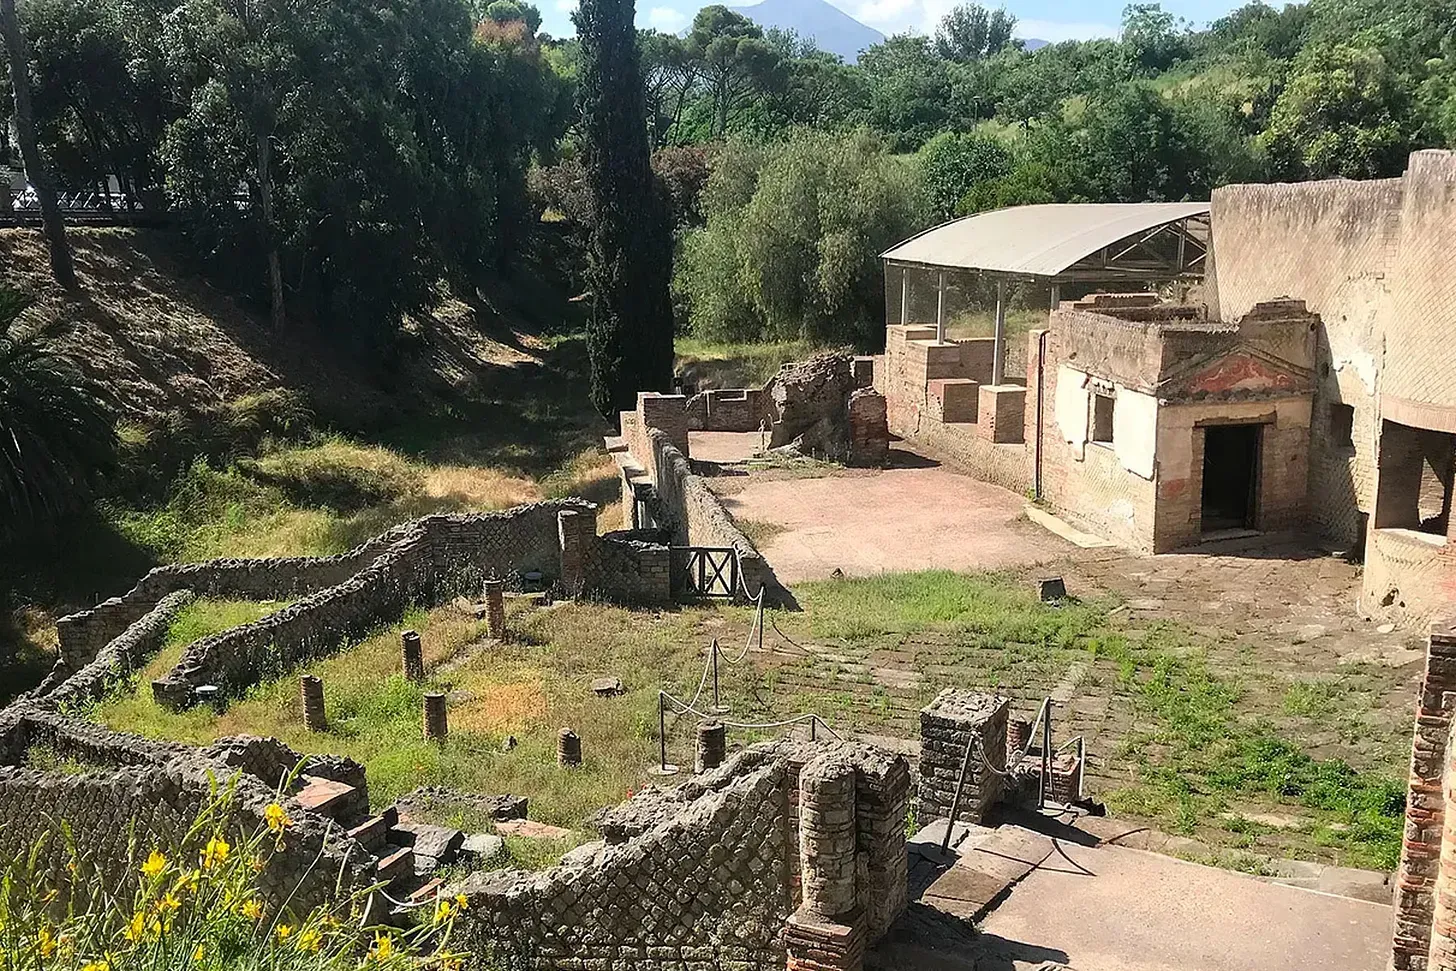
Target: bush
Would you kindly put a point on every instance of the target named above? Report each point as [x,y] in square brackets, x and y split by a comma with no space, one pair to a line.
[200,908]
[337,475]
[793,236]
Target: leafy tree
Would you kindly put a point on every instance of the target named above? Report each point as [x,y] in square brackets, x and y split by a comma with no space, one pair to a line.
[732,59]
[909,89]
[56,433]
[792,242]
[1343,112]
[951,164]
[36,173]
[668,73]
[970,32]
[630,334]
[1151,36]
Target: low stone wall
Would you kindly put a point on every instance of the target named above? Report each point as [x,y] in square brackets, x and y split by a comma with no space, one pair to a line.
[118,659]
[152,794]
[704,875]
[728,410]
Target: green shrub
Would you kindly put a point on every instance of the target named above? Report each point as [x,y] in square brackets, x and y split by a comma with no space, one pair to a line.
[199,908]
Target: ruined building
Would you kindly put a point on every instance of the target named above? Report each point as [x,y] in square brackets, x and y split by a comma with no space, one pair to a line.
[1308,385]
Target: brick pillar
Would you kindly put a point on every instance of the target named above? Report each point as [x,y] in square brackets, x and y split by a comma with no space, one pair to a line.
[869,429]
[412,656]
[569,533]
[946,724]
[435,725]
[311,689]
[882,797]
[666,412]
[568,749]
[826,932]
[495,607]
[1420,859]
[712,745]
[1442,954]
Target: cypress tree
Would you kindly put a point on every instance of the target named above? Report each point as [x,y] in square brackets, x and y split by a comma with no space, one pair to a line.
[629,336]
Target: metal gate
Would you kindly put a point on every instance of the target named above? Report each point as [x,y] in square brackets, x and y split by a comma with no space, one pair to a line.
[704,572]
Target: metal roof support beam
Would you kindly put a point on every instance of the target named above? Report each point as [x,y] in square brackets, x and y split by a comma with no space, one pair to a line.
[940,307]
[998,348]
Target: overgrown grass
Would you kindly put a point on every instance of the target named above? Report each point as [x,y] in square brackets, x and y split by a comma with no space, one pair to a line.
[328,497]
[708,364]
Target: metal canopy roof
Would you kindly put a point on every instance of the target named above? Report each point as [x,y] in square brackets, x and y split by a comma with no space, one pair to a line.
[1069,242]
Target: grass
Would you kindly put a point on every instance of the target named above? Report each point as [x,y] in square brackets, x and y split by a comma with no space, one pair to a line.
[1190,748]
[710,364]
[327,497]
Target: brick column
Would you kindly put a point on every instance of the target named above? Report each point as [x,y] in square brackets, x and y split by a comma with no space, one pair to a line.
[495,608]
[826,932]
[1425,817]
[869,429]
[1442,955]
[666,412]
[946,724]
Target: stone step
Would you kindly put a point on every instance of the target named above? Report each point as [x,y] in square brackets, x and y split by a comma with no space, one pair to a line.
[337,800]
[371,832]
[396,865]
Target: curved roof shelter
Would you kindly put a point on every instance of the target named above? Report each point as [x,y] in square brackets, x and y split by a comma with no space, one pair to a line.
[1068,243]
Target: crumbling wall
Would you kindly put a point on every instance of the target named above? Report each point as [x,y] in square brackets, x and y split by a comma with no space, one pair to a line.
[151,794]
[703,875]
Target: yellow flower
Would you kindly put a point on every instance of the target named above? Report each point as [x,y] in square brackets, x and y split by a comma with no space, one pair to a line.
[309,939]
[45,942]
[49,896]
[383,947]
[187,881]
[283,932]
[101,965]
[136,927]
[276,818]
[198,954]
[168,902]
[155,864]
[251,909]
[71,868]
[460,902]
[215,853]
[442,911]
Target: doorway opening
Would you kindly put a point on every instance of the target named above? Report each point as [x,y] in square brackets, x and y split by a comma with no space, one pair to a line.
[1230,476]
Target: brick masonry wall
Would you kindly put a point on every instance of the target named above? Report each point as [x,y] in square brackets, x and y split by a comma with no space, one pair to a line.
[117,659]
[728,410]
[153,795]
[701,875]
[1427,802]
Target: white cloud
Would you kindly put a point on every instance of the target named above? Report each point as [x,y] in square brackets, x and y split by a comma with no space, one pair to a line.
[667,19]
[891,16]
[1056,31]
[566,6]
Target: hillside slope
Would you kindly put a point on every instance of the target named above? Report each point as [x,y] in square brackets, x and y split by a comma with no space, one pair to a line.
[164,341]
[817,20]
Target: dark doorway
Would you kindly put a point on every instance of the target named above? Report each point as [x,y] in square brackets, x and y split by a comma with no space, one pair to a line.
[1230,476]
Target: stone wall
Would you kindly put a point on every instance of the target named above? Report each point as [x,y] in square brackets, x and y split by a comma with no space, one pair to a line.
[1428,854]
[118,659]
[152,793]
[954,719]
[706,874]
[729,410]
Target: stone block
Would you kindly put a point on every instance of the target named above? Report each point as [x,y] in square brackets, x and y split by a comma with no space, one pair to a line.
[958,399]
[1002,413]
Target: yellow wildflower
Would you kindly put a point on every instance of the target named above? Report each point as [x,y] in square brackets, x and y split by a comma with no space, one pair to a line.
[276,818]
[101,965]
[71,868]
[198,954]
[460,902]
[283,932]
[45,942]
[251,909]
[215,853]
[442,911]
[309,939]
[155,864]
[187,881]
[136,927]
[169,902]
[49,896]
[383,947]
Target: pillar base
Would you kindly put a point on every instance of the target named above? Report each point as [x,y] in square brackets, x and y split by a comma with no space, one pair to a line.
[816,944]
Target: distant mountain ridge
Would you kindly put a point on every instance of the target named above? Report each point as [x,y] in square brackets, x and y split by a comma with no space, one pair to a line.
[830,28]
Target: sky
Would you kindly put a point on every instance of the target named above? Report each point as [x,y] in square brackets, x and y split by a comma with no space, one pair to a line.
[1049,20]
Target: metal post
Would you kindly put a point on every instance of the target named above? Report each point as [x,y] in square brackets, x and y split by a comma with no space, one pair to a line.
[714,649]
[813,725]
[955,800]
[1046,752]
[1056,295]
[998,355]
[662,731]
[940,307]
[904,295]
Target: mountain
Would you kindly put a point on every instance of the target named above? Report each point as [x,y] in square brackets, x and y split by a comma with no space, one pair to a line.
[829,27]
[1034,43]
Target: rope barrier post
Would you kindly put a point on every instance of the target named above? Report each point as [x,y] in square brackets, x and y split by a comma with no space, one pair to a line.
[663,768]
[813,728]
[1046,753]
[955,800]
[717,705]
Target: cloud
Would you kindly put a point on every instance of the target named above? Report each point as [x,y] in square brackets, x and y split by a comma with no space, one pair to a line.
[1056,31]
[566,6]
[890,16]
[667,19]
